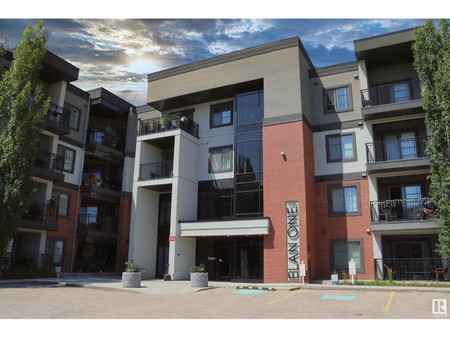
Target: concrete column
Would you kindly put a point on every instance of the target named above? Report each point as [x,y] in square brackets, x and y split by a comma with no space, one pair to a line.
[378,253]
[57,92]
[363,77]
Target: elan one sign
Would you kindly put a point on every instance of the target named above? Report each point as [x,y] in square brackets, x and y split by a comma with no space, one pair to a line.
[293,241]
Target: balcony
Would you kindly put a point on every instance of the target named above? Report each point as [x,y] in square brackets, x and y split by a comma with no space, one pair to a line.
[166,123]
[49,166]
[391,100]
[403,214]
[41,216]
[98,187]
[57,120]
[411,268]
[151,171]
[90,226]
[106,144]
[393,154]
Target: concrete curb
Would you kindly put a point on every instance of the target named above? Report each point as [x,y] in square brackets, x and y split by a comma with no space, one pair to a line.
[376,288]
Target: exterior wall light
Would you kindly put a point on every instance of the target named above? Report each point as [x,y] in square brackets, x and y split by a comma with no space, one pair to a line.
[282,153]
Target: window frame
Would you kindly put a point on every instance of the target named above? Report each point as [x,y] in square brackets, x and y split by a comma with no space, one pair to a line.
[63,254]
[211,113]
[327,145]
[334,89]
[331,187]
[78,110]
[210,168]
[333,241]
[56,193]
[60,146]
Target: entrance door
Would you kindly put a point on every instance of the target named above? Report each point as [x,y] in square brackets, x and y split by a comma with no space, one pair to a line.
[222,263]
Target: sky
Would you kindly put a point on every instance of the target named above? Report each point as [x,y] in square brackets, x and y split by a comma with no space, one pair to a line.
[118,53]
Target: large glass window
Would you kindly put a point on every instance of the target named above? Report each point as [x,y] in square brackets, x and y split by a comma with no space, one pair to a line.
[74,117]
[340,148]
[220,159]
[62,201]
[221,115]
[344,199]
[55,248]
[69,158]
[88,215]
[344,251]
[248,155]
[338,99]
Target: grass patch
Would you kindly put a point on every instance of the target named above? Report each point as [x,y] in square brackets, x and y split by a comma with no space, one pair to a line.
[393,283]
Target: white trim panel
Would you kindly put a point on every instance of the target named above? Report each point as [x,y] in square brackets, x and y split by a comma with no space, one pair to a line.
[225,228]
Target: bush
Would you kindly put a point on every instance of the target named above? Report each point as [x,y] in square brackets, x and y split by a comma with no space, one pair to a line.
[25,272]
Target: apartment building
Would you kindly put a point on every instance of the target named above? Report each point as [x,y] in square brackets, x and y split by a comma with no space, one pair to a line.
[80,218]
[256,162]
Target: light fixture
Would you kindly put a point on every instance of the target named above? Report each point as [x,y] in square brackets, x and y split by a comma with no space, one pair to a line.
[364,175]
[282,153]
[355,76]
[360,123]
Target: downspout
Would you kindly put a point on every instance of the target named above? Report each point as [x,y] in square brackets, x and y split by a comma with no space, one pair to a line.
[75,223]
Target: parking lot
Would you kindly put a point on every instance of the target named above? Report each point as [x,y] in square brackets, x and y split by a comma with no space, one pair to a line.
[43,301]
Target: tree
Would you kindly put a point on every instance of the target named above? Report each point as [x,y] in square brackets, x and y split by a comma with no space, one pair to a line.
[22,111]
[432,62]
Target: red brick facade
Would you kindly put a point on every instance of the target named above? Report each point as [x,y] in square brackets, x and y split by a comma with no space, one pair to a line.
[123,233]
[66,228]
[291,178]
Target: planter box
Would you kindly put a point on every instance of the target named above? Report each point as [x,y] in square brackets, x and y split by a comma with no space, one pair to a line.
[199,280]
[131,280]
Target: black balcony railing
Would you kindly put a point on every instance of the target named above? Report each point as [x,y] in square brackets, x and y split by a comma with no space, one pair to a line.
[411,209]
[111,138]
[411,268]
[58,114]
[49,161]
[42,212]
[394,93]
[395,150]
[93,221]
[155,170]
[8,260]
[161,124]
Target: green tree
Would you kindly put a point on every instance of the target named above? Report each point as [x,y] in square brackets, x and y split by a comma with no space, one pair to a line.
[432,62]
[22,110]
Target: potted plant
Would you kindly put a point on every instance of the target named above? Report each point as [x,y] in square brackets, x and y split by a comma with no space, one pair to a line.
[199,276]
[131,277]
[165,123]
[110,138]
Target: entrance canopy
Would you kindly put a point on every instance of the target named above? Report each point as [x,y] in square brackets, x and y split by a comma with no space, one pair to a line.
[235,227]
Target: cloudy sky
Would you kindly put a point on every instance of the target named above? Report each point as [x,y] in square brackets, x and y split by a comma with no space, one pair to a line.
[118,53]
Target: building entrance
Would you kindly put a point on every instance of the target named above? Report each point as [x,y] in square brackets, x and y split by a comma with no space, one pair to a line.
[232,259]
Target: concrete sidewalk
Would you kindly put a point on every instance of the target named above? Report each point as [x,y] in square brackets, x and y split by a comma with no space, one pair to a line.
[161,287]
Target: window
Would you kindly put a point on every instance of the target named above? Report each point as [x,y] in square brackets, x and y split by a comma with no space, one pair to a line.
[74,116]
[337,99]
[401,92]
[88,215]
[341,148]
[62,201]
[55,248]
[220,159]
[69,158]
[221,115]
[344,199]
[344,250]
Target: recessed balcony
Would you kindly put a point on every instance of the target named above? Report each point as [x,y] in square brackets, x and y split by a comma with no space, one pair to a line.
[403,214]
[41,216]
[399,153]
[106,144]
[57,120]
[396,99]
[49,166]
[156,170]
[166,123]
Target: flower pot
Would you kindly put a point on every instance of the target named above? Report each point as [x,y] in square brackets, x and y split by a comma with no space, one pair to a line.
[131,279]
[199,280]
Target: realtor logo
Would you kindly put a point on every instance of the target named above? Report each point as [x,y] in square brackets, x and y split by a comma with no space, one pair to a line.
[439,306]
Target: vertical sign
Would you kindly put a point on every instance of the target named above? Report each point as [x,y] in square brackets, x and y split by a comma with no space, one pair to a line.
[293,241]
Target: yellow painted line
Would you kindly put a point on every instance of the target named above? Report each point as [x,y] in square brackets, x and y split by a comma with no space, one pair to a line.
[43,292]
[290,295]
[388,305]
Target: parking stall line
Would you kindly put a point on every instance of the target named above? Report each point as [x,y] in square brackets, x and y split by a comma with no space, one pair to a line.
[282,298]
[42,292]
[388,305]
